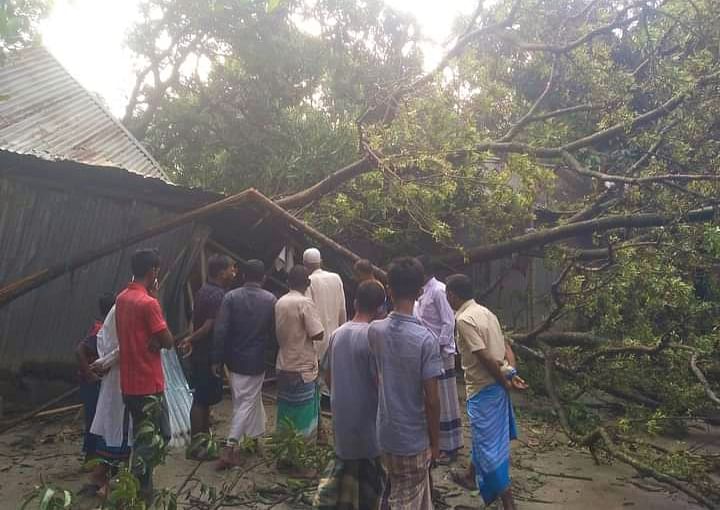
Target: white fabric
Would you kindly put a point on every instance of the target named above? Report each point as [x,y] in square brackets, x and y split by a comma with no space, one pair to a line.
[109,416]
[285,259]
[326,291]
[434,311]
[248,410]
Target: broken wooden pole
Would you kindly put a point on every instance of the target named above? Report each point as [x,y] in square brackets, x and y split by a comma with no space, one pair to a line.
[307,229]
[17,421]
[18,288]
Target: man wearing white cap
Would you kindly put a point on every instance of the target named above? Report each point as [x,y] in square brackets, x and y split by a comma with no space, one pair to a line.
[326,291]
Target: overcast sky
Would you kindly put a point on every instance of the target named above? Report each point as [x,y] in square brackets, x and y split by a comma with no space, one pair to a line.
[88,36]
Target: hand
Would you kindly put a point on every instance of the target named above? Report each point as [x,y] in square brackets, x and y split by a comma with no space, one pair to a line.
[517,383]
[90,375]
[185,348]
[154,345]
[154,289]
[434,453]
[217,371]
[98,369]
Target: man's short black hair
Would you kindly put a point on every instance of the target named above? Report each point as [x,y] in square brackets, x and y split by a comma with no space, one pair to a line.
[364,266]
[143,261]
[406,278]
[298,277]
[460,285]
[370,296]
[218,263]
[254,271]
[106,302]
[428,264]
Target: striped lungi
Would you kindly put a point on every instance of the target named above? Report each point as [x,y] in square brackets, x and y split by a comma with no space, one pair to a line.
[492,422]
[356,484]
[451,432]
[408,482]
[298,403]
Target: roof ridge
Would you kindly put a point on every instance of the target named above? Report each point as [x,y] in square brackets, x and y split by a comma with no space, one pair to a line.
[108,113]
[37,125]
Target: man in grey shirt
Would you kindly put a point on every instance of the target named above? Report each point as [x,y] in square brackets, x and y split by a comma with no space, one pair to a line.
[356,478]
[408,364]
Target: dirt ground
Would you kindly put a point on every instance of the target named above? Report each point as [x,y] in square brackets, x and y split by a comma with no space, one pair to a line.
[547,473]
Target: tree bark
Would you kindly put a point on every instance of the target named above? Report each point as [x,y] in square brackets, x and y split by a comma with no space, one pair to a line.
[551,235]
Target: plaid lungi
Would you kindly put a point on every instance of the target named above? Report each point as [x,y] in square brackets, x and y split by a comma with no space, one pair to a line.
[408,482]
[351,485]
[451,432]
[298,403]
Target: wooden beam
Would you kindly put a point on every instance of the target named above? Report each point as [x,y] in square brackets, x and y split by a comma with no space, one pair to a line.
[307,229]
[14,423]
[20,287]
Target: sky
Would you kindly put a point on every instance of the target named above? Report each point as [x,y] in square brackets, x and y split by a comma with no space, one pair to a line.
[88,38]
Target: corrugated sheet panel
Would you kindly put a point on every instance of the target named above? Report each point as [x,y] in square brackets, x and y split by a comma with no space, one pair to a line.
[46,113]
[40,227]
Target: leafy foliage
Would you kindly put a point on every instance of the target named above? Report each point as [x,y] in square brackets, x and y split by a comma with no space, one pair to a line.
[18,22]
[48,497]
[290,447]
[566,114]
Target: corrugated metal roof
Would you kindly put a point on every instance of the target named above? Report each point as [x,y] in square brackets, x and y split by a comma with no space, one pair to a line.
[45,112]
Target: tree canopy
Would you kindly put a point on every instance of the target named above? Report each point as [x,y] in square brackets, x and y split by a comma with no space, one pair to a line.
[18,23]
[583,132]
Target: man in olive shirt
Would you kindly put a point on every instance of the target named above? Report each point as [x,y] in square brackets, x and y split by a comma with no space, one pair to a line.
[298,328]
[487,380]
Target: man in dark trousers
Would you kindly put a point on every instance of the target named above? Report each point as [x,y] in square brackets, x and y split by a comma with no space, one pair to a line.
[87,353]
[142,333]
[244,329]
[206,385]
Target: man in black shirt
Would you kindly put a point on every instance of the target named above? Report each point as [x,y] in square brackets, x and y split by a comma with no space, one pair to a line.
[243,330]
[207,386]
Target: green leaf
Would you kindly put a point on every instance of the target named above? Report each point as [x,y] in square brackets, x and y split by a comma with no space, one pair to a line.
[47,498]
[68,499]
[272,5]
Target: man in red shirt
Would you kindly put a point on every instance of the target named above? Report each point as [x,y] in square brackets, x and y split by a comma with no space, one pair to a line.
[142,333]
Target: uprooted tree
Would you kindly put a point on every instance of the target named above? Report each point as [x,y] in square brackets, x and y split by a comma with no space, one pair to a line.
[583,132]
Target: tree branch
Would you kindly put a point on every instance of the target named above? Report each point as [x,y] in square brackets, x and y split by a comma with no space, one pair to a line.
[635,181]
[601,434]
[544,237]
[618,22]
[517,127]
[562,339]
[328,184]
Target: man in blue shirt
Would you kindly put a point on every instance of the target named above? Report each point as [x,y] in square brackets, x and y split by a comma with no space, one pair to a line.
[244,329]
[408,365]
[355,479]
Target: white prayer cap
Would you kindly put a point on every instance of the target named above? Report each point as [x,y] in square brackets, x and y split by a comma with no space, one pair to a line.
[312,256]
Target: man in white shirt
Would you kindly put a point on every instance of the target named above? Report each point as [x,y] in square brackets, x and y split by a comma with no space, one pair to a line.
[434,312]
[326,291]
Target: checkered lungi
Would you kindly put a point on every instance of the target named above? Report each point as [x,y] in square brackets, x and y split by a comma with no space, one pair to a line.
[351,485]
[408,482]
[451,432]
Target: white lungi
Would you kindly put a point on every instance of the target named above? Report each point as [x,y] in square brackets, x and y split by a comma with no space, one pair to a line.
[248,410]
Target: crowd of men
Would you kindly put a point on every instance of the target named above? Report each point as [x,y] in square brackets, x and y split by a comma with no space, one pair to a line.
[389,373]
